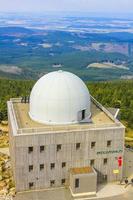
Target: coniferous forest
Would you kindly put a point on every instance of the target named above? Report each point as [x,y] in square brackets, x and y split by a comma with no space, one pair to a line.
[117,94]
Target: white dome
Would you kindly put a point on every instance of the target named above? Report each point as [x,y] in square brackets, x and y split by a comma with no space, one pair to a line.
[59,97]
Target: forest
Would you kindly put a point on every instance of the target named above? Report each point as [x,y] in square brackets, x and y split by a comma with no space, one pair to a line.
[118,94]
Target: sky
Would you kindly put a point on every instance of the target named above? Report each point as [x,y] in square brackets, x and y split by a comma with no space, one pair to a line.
[101,6]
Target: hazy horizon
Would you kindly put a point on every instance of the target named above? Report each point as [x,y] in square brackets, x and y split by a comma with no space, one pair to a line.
[82,6]
[112,15]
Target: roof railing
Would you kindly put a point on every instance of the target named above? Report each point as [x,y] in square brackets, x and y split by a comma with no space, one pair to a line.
[64,128]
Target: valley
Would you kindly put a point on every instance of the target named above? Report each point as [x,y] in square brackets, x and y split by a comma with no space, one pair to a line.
[34,45]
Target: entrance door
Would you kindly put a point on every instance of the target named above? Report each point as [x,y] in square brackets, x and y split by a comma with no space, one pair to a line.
[81,115]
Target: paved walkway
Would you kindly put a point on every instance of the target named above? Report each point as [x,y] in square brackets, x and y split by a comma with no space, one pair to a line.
[112,191]
[108,192]
[126,196]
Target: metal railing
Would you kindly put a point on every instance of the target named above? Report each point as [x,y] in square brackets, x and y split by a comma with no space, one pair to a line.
[65,128]
[104,109]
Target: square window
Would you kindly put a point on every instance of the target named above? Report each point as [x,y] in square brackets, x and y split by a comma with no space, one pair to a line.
[63,181]
[58,148]
[92,162]
[105,161]
[42,148]
[52,182]
[52,166]
[63,164]
[77,146]
[30,149]
[30,168]
[41,167]
[77,183]
[93,144]
[109,143]
[31,184]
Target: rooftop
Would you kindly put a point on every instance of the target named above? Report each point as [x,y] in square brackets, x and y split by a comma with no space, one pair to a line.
[81,170]
[99,117]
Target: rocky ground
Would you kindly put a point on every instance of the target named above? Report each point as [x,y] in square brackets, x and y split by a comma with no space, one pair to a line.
[4,140]
[6,180]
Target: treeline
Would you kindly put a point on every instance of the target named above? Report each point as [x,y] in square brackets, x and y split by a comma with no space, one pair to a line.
[12,89]
[117,94]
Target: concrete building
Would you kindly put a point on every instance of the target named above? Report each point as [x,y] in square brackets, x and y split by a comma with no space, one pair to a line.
[128,163]
[63,137]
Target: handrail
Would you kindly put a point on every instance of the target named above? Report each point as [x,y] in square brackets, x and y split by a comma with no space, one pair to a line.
[104,109]
[64,128]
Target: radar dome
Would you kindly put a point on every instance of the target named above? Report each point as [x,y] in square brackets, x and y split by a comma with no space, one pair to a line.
[59,97]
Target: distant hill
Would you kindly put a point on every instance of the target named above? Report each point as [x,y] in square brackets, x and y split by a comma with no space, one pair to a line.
[15,30]
[121,36]
[36,51]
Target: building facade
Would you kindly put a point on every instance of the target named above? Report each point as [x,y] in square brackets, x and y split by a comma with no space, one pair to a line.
[43,155]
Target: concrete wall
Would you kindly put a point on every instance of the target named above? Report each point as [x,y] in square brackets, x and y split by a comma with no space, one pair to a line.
[12,146]
[87,183]
[128,163]
[68,154]
[21,159]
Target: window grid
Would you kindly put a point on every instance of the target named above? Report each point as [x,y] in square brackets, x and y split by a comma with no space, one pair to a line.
[78,146]
[63,164]
[58,148]
[31,184]
[92,162]
[105,161]
[52,183]
[41,167]
[63,181]
[76,183]
[52,165]
[109,143]
[93,144]
[42,148]
[30,168]
[30,149]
